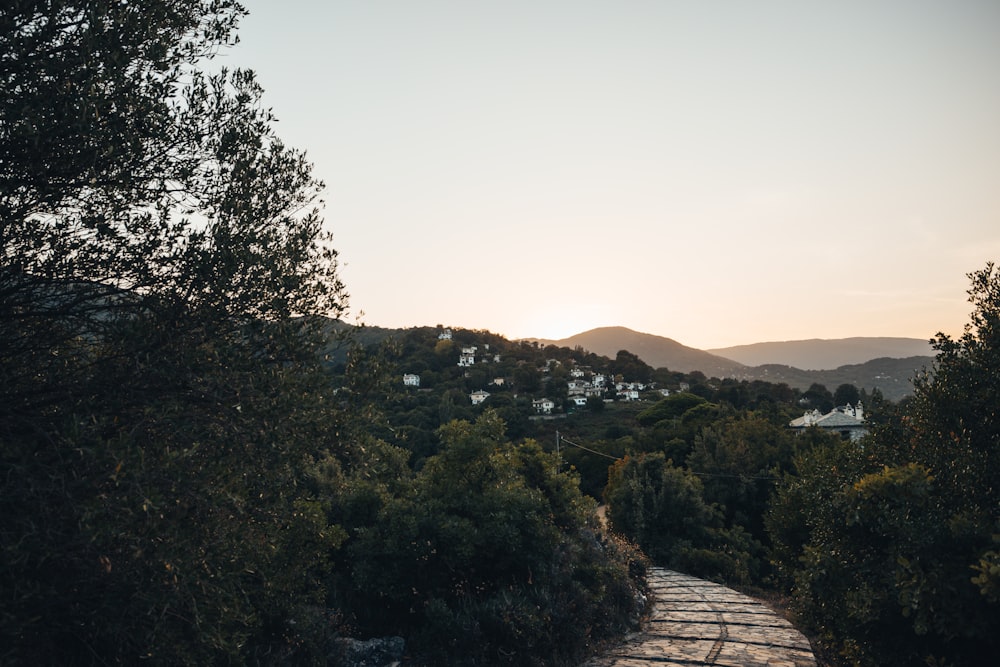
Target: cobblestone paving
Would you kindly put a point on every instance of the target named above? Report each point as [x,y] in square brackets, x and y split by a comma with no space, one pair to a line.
[697,622]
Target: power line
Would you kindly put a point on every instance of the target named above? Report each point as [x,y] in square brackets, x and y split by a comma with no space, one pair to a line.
[719,474]
[587,449]
[561,438]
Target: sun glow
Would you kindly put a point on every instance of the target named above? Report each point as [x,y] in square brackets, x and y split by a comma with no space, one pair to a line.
[554,322]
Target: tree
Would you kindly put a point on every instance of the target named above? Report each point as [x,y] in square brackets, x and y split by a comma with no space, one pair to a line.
[134,183]
[846,394]
[162,268]
[662,508]
[819,397]
[892,542]
[670,407]
[527,378]
[739,456]
[630,367]
[490,556]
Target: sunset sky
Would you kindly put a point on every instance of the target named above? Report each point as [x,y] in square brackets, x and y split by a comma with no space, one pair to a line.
[719,173]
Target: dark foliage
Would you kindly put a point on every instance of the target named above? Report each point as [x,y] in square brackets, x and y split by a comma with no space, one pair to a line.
[891,543]
[488,557]
[160,396]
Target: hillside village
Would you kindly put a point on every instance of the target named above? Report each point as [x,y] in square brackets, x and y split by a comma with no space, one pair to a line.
[451,373]
[582,382]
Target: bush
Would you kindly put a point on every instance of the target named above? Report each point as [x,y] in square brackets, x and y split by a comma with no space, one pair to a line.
[662,508]
[491,557]
[891,543]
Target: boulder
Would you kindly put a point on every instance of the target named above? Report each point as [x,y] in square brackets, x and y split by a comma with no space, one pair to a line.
[377,652]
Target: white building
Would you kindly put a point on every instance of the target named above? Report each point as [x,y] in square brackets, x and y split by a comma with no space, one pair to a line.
[543,406]
[468,356]
[848,421]
[411,380]
[478,397]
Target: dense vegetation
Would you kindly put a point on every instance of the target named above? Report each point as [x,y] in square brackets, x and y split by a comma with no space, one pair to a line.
[201,465]
[891,545]
[181,482]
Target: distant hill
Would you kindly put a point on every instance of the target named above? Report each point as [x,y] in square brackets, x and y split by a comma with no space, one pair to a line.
[820,354]
[892,377]
[887,364]
[891,372]
[657,351]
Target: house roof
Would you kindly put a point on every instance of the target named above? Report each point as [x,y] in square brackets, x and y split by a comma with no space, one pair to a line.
[835,419]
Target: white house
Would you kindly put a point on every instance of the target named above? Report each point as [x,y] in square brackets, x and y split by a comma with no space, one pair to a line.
[574,387]
[630,386]
[580,401]
[468,356]
[479,396]
[848,421]
[445,335]
[543,406]
[411,380]
[628,395]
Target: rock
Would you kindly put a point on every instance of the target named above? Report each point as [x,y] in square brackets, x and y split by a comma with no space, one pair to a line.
[377,652]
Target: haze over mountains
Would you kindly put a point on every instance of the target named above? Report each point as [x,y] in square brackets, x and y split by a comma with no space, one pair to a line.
[821,354]
[814,354]
[657,351]
[887,364]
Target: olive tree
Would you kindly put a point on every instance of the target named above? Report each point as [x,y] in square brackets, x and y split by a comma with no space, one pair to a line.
[163,263]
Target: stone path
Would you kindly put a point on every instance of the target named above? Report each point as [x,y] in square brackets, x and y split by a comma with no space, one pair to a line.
[696,622]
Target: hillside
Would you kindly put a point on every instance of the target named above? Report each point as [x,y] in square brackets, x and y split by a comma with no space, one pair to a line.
[657,351]
[886,364]
[890,374]
[823,354]
[892,377]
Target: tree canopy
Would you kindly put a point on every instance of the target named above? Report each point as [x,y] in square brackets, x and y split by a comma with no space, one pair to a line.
[161,253]
[891,543]
[180,482]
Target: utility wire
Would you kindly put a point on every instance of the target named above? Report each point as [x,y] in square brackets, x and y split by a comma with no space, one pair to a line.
[563,438]
[719,474]
[592,451]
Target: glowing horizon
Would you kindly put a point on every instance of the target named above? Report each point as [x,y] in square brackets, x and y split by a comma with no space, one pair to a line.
[719,175]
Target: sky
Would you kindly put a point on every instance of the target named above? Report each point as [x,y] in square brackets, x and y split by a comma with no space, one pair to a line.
[719,173]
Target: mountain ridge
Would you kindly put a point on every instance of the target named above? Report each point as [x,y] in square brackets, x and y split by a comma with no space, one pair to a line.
[657,351]
[826,353]
[892,375]
[814,354]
